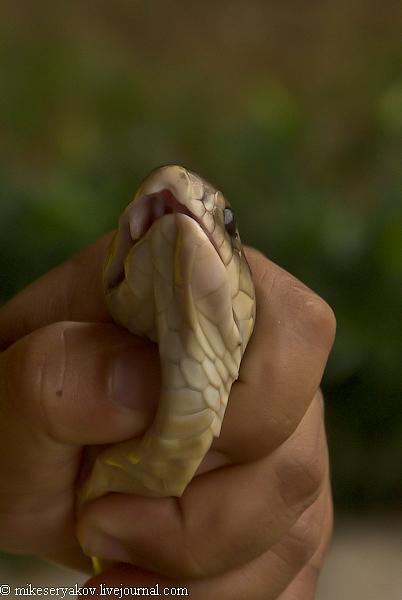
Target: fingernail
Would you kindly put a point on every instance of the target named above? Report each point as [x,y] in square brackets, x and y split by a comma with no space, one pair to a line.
[134,379]
[106,548]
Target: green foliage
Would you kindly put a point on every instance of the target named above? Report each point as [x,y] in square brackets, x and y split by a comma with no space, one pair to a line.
[316,185]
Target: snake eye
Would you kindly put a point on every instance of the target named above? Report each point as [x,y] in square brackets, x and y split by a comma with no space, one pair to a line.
[230,222]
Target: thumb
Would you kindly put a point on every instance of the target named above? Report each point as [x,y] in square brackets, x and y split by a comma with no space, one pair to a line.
[61,387]
[80,383]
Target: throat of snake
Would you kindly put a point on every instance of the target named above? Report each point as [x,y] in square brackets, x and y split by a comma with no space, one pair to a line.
[198,341]
[199,348]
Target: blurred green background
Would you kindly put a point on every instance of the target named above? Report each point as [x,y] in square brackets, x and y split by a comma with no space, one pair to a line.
[293,109]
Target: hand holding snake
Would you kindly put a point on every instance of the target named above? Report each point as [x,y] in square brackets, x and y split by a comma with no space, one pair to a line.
[251,528]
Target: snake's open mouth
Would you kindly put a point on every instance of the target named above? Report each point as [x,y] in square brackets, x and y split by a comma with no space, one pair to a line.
[151,207]
[138,219]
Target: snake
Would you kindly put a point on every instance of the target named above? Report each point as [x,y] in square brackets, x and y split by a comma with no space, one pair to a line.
[176,273]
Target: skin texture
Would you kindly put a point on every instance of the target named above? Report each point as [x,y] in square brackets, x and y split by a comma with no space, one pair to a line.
[257,527]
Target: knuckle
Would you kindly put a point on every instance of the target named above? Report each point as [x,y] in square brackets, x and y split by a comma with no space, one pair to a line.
[313,313]
[300,480]
[310,311]
[305,538]
[295,550]
[320,316]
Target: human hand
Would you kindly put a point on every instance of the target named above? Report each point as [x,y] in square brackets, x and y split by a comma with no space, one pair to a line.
[69,377]
[259,526]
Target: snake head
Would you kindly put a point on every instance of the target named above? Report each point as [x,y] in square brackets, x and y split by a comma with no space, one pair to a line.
[174,189]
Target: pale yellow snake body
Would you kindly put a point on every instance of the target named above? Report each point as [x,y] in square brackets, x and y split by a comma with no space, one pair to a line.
[176,274]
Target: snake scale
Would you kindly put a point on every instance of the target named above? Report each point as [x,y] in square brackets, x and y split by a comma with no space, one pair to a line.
[176,274]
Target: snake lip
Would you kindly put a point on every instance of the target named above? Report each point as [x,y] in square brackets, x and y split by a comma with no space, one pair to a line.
[153,206]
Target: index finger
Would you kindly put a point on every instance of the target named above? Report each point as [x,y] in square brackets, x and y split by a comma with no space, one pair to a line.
[71,291]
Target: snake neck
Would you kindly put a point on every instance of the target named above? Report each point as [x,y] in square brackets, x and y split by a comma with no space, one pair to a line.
[199,346]
[180,297]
